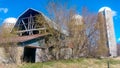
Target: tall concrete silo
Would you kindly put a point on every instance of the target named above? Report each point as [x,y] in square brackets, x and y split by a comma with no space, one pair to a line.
[109,28]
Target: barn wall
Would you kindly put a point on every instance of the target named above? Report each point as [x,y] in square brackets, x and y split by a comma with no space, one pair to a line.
[20,54]
[4,57]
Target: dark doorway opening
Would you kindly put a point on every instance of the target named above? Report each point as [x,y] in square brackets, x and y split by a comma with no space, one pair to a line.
[29,54]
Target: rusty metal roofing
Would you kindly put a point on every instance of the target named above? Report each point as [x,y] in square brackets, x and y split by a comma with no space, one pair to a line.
[21,38]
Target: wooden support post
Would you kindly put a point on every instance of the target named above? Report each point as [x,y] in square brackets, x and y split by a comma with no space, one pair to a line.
[24,25]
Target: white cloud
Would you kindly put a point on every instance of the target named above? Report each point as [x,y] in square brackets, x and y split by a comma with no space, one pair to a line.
[5,10]
[118,39]
[114,13]
[117,17]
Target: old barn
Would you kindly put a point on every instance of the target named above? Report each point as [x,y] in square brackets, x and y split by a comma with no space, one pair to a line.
[31,35]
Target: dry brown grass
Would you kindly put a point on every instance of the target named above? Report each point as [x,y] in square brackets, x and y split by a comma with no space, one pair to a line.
[73,63]
[77,63]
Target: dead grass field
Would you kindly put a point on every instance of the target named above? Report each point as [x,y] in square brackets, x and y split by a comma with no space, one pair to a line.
[71,63]
[77,63]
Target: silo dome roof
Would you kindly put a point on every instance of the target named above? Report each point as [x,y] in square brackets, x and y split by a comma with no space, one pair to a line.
[78,19]
[104,8]
[77,16]
[10,20]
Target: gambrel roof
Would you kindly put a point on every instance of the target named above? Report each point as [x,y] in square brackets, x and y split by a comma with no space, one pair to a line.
[34,12]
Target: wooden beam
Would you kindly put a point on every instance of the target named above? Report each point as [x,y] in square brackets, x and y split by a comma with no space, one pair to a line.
[24,25]
[27,17]
[30,30]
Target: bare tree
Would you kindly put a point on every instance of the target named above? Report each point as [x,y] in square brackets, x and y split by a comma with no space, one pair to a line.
[9,46]
[84,36]
[61,16]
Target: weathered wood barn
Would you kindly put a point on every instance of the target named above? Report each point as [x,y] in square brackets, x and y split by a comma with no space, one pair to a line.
[31,35]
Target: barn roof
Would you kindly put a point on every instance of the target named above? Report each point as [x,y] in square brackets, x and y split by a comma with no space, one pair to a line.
[34,12]
[28,12]
[20,39]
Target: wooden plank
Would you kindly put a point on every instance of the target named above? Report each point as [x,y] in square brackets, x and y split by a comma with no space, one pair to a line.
[30,30]
[27,17]
[24,25]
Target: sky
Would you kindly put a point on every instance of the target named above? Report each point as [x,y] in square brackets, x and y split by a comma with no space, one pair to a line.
[13,8]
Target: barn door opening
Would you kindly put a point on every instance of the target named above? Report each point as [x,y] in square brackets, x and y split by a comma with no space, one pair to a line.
[29,54]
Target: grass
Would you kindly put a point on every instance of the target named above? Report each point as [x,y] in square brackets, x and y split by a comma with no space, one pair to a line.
[75,63]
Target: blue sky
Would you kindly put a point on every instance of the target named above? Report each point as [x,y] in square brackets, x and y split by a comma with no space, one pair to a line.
[13,8]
